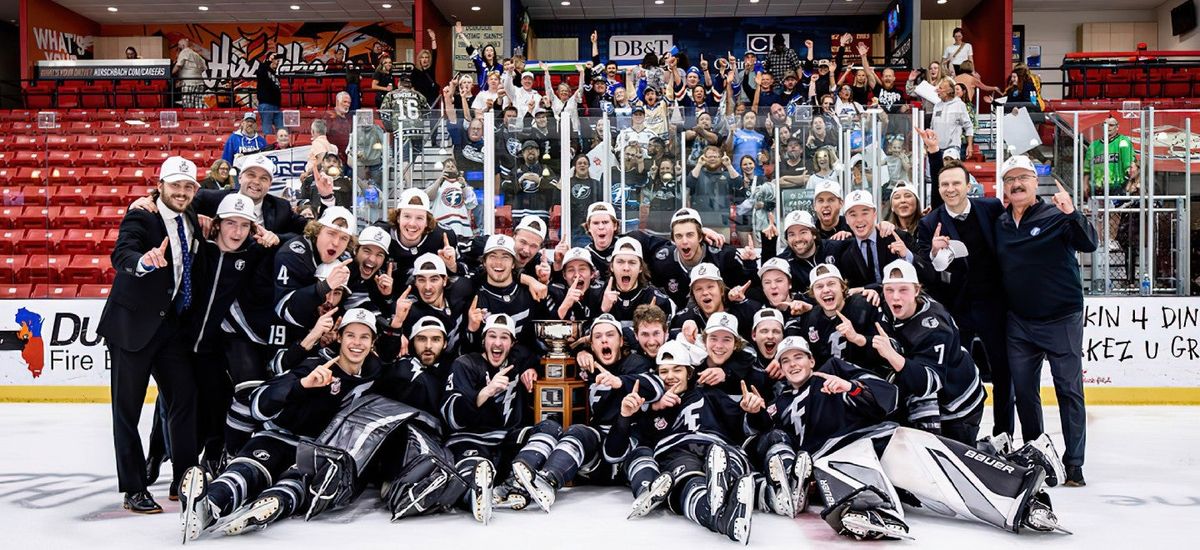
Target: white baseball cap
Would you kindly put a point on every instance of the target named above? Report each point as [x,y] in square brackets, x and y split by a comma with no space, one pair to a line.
[334,214]
[500,321]
[833,187]
[705,271]
[376,236]
[601,209]
[236,205]
[800,218]
[1017,161]
[905,186]
[674,352]
[249,115]
[429,264]
[900,271]
[325,269]
[685,214]
[721,321]
[858,197]
[533,224]
[577,255]
[775,264]
[526,74]
[823,271]
[177,169]
[627,246]
[256,161]
[607,319]
[792,343]
[415,199]
[768,314]
[500,242]
[425,323]
[358,315]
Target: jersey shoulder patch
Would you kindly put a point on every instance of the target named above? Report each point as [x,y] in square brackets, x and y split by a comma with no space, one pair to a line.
[298,247]
[929,322]
[662,253]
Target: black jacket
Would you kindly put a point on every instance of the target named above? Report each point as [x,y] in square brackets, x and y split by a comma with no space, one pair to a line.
[949,286]
[278,216]
[1038,263]
[854,268]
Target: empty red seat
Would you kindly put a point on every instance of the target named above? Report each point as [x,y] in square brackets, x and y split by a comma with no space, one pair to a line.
[28,158]
[110,240]
[73,216]
[134,175]
[9,213]
[58,142]
[29,176]
[8,291]
[53,291]
[36,195]
[88,268]
[154,158]
[39,241]
[64,195]
[109,217]
[119,143]
[9,266]
[66,176]
[81,241]
[8,240]
[155,141]
[92,143]
[39,94]
[98,175]
[60,157]
[33,217]
[94,291]
[110,195]
[80,128]
[43,268]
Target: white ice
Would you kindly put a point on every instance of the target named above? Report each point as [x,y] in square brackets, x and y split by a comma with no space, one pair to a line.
[58,490]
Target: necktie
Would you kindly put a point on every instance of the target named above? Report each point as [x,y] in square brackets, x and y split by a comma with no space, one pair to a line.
[869,254]
[184,300]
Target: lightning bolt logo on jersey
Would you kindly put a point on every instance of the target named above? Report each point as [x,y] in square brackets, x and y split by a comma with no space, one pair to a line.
[690,416]
[794,415]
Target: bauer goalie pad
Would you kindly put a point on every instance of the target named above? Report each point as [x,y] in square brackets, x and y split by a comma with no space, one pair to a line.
[953,479]
[428,481]
[851,478]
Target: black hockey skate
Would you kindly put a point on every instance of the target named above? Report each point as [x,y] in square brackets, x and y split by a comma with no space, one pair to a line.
[1041,452]
[733,518]
[652,496]
[511,495]
[196,513]
[258,514]
[537,485]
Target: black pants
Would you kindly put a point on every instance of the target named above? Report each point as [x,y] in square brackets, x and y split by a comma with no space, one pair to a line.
[1059,342]
[964,430]
[166,358]
[247,360]
[986,320]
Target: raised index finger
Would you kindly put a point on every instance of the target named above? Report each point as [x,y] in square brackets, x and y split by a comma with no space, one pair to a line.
[636,386]
[163,247]
[345,262]
[407,290]
[446,240]
[744,390]
[1061,189]
[504,370]
[937,232]
[879,329]
[843,317]
[475,303]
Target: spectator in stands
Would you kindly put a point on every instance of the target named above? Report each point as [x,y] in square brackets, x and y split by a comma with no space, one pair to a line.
[860,89]
[819,137]
[381,81]
[485,60]
[189,69]
[793,172]
[1110,162]
[218,176]
[319,148]
[424,77]
[782,60]
[245,140]
[270,96]
[845,105]
[933,75]
[328,184]
[903,208]
[1021,92]
[132,53]
[711,181]
[958,53]
[339,125]
[371,140]
[283,140]
[951,121]
[969,78]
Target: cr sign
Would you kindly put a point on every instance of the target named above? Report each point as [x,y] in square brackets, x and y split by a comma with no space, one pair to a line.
[635,47]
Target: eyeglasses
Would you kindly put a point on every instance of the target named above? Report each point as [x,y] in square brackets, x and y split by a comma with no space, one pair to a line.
[1023,177]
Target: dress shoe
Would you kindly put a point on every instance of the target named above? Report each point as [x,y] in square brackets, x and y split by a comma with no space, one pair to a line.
[1075,476]
[153,466]
[142,503]
[173,492]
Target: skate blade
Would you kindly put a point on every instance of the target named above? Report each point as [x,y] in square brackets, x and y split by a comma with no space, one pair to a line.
[784,503]
[482,505]
[652,498]
[717,462]
[525,478]
[191,489]
[870,528]
[256,516]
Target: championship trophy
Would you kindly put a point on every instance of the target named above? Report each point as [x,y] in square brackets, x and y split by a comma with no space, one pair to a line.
[560,394]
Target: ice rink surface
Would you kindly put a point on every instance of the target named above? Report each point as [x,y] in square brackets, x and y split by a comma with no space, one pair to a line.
[58,490]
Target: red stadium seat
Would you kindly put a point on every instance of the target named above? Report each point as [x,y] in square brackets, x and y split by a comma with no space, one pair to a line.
[15,291]
[28,158]
[154,158]
[110,240]
[25,140]
[134,175]
[80,128]
[66,176]
[60,158]
[40,95]
[109,217]
[88,268]
[120,143]
[70,195]
[5,142]
[154,142]
[8,216]
[40,241]
[10,265]
[126,157]
[43,268]
[58,142]
[99,176]
[33,217]
[36,195]
[87,143]
[6,156]
[144,128]
[53,291]
[94,291]
[96,96]
[11,196]
[29,176]
[110,195]
[81,241]
[8,240]
[73,217]
[124,94]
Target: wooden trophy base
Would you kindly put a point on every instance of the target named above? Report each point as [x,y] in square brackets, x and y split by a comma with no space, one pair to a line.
[560,395]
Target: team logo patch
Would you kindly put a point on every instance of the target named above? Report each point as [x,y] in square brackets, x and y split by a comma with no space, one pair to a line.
[661,254]
[1035,232]
[297,247]
[829,259]
[262,455]
[772,409]
[335,387]
[530,186]
[452,196]
[581,192]
[239,265]
[929,322]
[660,423]
[813,335]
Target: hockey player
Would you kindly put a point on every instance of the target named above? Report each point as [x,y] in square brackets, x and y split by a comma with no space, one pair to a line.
[629,284]
[500,292]
[805,248]
[766,334]
[690,430]
[296,404]
[614,372]
[433,294]
[371,284]
[775,289]
[709,296]
[527,237]
[931,358]
[330,240]
[575,294]
[728,364]
[670,262]
[842,323]
[415,232]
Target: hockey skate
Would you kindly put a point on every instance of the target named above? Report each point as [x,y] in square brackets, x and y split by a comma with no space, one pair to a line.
[999,445]
[1041,517]
[652,496]
[260,513]
[510,496]
[537,485]
[733,519]
[1041,452]
[196,513]
[803,472]
[873,525]
[717,474]
[481,492]
[779,488]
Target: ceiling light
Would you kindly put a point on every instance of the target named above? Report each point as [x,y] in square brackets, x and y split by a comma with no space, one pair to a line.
[753,1]
[475,8]
[202,8]
[295,7]
[658,2]
[110,8]
[565,3]
[386,6]
[941,1]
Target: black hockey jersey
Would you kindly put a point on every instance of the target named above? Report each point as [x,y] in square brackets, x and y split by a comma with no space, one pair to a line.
[281,403]
[704,416]
[509,410]
[826,342]
[935,360]
[605,403]
[409,381]
[668,272]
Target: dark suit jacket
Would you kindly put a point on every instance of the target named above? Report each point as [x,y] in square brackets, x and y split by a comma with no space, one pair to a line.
[949,286]
[854,268]
[137,306]
[278,216]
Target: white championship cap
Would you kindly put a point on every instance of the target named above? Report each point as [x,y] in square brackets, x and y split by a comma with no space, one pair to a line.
[600,209]
[324,270]
[577,255]
[705,271]
[905,186]
[334,214]
[801,218]
[375,236]
[429,264]
[721,321]
[533,224]
[236,205]
[1017,161]
[177,169]
[500,321]
[256,161]
[792,343]
[627,246]
[425,323]
[768,314]
[900,271]
[685,214]
[415,199]
[775,264]
[500,242]
[858,197]
[828,186]
[606,319]
[823,271]
[674,352]
[358,315]
[526,74]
